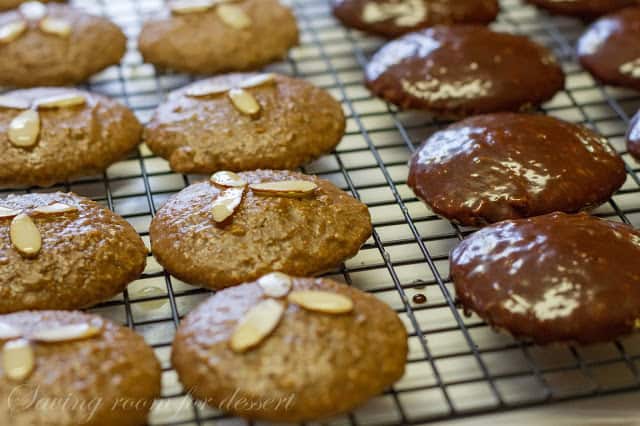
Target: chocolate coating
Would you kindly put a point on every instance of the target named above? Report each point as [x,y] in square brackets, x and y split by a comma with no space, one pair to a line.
[633,137]
[552,278]
[610,51]
[393,18]
[464,70]
[506,166]
[586,9]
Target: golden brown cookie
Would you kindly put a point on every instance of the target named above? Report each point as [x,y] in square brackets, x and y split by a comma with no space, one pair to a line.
[289,349]
[11,4]
[64,251]
[55,45]
[70,368]
[50,135]
[210,37]
[235,228]
[245,122]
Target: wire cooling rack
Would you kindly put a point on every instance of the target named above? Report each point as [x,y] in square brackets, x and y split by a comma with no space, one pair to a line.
[457,367]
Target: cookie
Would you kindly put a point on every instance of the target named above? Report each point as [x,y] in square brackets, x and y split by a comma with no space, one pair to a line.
[586,9]
[50,135]
[236,228]
[393,18]
[245,122]
[505,166]
[55,45]
[70,368]
[210,37]
[552,278]
[633,137]
[609,49]
[464,70]
[289,349]
[63,251]
[12,4]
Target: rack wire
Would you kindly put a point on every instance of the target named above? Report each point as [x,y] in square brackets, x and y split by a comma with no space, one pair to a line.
[458,366]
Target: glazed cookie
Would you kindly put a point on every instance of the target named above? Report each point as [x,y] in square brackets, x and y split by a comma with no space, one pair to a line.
[552,278]
[235,228]
[586,9]
[50,135]
[55,45]
[633,137]
[609,49]
[12,4]
[104,373]
[245,122]
[210,37]
[506,166]
[464,70]
[63,251]
[393,18]
[289,349]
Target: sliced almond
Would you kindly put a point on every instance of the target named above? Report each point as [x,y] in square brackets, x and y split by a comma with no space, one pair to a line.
[66,333]
[207,88]
[275,284]
[8,331]
[64,100]
[5,212]
[13,102]
[55,209]
[233,16]
[18,359]
[190,6]
[285,188]
[25,236]
[256,325]
[228,179]
[226,204]
[321,301]
[244,102]
[55,26]
[258,80]
[12,31]
[24,129]
[33,10]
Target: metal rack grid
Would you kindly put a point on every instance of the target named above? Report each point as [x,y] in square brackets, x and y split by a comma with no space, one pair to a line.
[457,366]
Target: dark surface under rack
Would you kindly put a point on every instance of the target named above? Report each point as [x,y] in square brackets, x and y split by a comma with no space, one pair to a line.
[458,366]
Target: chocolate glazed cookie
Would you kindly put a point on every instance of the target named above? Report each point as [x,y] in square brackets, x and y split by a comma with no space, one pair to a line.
[506,166]
[393,18]
[464,70]
[633,137]
[586,9]
[552,278]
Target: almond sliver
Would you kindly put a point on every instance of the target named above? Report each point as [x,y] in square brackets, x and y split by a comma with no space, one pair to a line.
[228,179]
[66,333]
[258,80]
[190,6]
[206,88]
[12,31]
[275,284]
[288,188]
[55,209]
[321,301]
[18,359]
[244,102]
[25,235]
[24,129]
[256,325]
[8,331]
[5,212]
[55,26]
[233,16]
[226,204]
[61,101]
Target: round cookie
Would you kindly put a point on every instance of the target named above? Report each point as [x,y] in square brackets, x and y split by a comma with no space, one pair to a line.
[55,45]
[609,49]
[217,37]
[393,18]
[321,349]
[552,278]
[464,70]
[633,137]
[12,4]
[72,133]
[206,126]
[587,9]
[506,166]
[223,232]
[70,368]
[63,251]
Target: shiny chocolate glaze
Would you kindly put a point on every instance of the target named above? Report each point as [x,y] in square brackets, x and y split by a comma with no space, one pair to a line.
[552,278]
[610,49]
[586,9]
[464,70]
[633,137]
[506,166]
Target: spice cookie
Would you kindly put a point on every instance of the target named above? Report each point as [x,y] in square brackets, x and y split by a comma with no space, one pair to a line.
[464,70]
[235,228]
[211,36]
[494,167]
[552,278]
[289,349]
[70,368]
[393,18]
[586,9]
[245,122]
[11,4]
[55,45]
[50,135]
[63,251]
[633,137]
[609,49]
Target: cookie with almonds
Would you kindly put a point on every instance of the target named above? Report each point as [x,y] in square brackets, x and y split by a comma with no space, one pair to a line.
[49,135]
[235,228]
[315,349]
[106,373]
[64,251]
[214,36]
[55,45]
[11,4]
[245,122]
